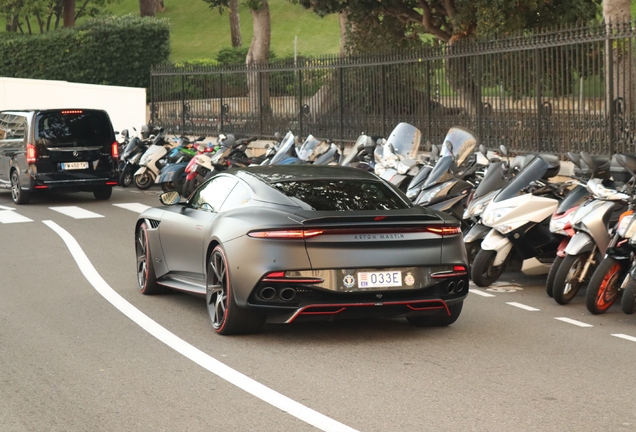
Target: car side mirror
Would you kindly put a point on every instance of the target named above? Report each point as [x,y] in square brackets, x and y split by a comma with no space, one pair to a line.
[170,198]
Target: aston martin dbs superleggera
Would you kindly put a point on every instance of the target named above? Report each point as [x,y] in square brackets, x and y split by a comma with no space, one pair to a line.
[289,242]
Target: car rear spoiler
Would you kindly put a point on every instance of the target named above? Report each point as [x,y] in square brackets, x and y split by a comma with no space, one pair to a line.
[372,219]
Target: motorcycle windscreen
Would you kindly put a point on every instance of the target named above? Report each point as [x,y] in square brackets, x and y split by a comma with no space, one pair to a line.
[493,179]
[361,142]
[463,142]
[405,140]
[285,145]
[440,173]
[307,149]
[532,172]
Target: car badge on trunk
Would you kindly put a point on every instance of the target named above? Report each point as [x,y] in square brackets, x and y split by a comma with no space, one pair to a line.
[75,153]
[409,279]
[349,281]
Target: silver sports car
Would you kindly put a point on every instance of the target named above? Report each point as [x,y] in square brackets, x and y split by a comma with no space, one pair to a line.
[289,242]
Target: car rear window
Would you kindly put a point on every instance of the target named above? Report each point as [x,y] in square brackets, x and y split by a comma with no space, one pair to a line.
[342,195]
[74,128]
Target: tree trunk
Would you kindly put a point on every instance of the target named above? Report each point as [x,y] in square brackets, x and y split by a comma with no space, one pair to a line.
[160,6]
[12,23]
[69,13]
[620,87]
[235,24]
[147,8]
[259,54]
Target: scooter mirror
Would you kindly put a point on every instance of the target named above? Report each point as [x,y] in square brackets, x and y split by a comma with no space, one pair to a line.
[434,151]
[503,149]
[277,136]
[266,145]
[482,150]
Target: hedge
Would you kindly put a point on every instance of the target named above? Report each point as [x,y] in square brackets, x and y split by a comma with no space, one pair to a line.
[107,50]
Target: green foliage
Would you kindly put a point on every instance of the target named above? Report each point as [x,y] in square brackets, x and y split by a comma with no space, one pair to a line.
[110,50]
[230,55]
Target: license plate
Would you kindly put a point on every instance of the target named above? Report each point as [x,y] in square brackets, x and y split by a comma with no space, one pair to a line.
[74,165]
[380,279]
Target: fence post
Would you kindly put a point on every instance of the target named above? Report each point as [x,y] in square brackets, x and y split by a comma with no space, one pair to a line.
[383,75]
[221,113]
[341,107]
[152,98]
[538,90]
[300,102]
[609,87]
[428,100]
[183,108]
[260,101]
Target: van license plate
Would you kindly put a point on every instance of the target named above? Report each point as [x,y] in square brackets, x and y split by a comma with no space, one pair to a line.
[380,279]
[74,165]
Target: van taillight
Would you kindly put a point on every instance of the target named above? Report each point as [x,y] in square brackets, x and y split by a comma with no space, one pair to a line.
[30,153]
[115,150]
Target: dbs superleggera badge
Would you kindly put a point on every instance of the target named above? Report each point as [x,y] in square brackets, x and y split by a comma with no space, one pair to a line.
[349,281]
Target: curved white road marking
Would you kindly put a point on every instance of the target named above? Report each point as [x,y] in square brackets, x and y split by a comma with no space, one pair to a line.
[243,382]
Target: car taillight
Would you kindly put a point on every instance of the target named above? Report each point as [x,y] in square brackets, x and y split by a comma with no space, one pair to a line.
[444,230]
[289,234]
[114,150]
[30,154]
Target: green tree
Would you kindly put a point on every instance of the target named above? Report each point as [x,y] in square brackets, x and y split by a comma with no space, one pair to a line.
[31,16]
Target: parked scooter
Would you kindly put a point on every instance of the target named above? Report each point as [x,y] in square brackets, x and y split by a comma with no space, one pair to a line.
[612,273]
[591,223]
[151,162]
[361,155]
[395,159]
[519,216]
[173,176]
[131,155]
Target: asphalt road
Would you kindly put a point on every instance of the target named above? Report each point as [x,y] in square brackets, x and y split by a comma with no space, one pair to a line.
[70,360]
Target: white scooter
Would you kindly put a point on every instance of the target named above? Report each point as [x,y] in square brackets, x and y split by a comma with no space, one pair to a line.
[519,217]
[150,163]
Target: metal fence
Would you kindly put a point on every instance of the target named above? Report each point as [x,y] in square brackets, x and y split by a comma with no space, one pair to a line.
[567,89]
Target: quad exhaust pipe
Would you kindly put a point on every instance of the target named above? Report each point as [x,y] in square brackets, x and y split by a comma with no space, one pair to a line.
[270,293]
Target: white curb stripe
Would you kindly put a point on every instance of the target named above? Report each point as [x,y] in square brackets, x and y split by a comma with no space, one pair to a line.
[575,322]
[243,382]
[626,337]
[522,306]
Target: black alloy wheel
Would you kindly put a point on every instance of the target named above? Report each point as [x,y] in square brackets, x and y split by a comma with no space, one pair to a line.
[126,176]
[144,181]
[549,283]
[18,195]
[227,318]
[146,277]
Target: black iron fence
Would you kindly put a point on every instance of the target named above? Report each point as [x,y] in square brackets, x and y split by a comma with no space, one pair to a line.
[557,90]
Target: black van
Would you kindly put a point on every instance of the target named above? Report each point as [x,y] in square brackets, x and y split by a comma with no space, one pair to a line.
[62,149]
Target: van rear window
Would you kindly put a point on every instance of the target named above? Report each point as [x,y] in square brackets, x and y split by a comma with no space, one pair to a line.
[75,128]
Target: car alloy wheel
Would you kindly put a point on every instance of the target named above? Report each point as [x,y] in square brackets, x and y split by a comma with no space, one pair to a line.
[145,270]
[18,195]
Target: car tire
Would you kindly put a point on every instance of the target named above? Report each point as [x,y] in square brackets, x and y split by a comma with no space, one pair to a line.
[227,318]
[549,282]
[19,195]
[144,181]
[146,277]
[628,301]
[566,285]
[604,286]
[103,193]
[437,320]
[482,272]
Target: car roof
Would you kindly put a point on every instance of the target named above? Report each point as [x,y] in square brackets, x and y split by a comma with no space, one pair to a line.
[16,111]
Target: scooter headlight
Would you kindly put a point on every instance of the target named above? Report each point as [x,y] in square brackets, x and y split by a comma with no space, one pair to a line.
[491,216]
[506,228]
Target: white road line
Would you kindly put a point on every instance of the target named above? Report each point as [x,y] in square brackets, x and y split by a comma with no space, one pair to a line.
[9,216]
[136,207]
[480,292]
[575,322]
[76,212]
[626,337]
[243,382]
[6,208]
[522,306]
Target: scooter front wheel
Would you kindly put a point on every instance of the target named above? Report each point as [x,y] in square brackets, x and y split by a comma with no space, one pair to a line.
[483,272]
[126,176]
[567,280]
[144,181]
[628,301]
[603,289]
[549,283]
